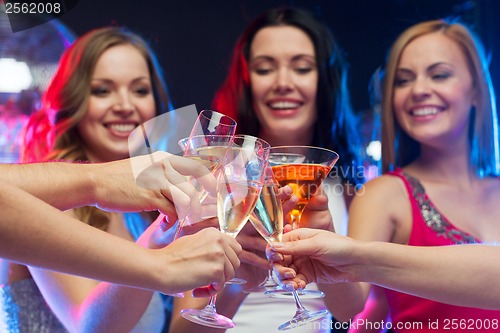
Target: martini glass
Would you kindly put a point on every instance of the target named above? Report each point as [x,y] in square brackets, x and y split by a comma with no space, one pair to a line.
[303,168]
[212,125]
[210,151]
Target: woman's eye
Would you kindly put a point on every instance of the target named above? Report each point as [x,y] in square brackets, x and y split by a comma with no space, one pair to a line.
[399,81]
[262,71]
[99,91]
[303,70]
[143,91]
[441,76]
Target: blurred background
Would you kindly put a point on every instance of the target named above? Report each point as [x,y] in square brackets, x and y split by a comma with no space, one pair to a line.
[194,39]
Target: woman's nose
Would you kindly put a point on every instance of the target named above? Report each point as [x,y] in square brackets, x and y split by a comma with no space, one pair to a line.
[124,103]
[284,81]
[421,88]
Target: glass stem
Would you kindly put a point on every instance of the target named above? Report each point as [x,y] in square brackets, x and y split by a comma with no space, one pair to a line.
[295,219]
[270,274]
[211,304]
[180,224]
[298,303]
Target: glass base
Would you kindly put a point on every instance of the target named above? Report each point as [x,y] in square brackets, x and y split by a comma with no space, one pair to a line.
[236,281]
[207,317]
[303,294]
[268,285]
[301,318]
[179,295]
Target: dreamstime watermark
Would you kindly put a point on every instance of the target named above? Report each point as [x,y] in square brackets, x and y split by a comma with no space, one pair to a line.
[358,324]
[28,14]
[438,324]
[311,179]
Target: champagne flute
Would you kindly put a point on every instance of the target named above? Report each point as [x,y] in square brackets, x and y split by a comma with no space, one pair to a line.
[239,184]
[267,219]
[303,168]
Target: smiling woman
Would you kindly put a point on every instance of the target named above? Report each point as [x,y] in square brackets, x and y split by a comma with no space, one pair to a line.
[120,99]
[284,77]
[439,152]
[107,83]
[287,84]
[96,74]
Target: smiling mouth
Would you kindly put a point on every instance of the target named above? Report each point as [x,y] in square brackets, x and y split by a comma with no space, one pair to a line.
[284,105]
[122,128]
[425,112]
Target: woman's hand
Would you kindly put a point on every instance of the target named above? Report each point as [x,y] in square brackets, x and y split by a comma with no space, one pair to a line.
[311,255]
[150,182]
[254,264]
[316,214]
[161,233]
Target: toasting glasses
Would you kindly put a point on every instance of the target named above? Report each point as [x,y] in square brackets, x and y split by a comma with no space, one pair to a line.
[267,219]
[239,184]
[210,151]
[303,168]
[209,134]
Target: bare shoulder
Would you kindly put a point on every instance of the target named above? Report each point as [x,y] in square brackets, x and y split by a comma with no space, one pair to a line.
[384,187]
[379,209]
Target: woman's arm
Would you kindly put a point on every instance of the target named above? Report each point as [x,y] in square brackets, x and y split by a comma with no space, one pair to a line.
[136,184]
[464,275]
[37,234]
[367,221]
[376,311]
[448,274]
[85,305]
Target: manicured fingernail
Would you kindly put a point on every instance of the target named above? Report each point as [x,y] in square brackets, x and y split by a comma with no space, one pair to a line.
[276,257]
[288,286]
[289,275]
[164,224]
[276,246]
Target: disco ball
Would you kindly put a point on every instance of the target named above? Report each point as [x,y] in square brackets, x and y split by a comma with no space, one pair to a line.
[28,60]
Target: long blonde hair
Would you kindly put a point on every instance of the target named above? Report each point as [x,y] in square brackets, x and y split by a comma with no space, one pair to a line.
[51,132]
[398,149]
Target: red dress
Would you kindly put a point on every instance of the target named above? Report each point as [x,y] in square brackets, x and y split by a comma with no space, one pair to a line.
[415,314]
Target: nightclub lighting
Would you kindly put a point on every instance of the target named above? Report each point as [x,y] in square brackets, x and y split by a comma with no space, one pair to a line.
[14,76]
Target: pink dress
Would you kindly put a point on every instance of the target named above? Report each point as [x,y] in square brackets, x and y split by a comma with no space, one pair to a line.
[415,314]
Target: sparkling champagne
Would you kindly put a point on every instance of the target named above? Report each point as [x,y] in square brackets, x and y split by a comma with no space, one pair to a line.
[267,216]
[210,157]
[235,202]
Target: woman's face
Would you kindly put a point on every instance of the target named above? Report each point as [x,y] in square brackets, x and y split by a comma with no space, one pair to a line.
[284,80]
[433,91]
[121,97]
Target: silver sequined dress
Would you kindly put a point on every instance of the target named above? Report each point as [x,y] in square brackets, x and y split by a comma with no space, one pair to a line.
[24,310]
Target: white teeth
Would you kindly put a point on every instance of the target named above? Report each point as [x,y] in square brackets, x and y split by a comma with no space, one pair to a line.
[425,112]
[122,127]
[285,105]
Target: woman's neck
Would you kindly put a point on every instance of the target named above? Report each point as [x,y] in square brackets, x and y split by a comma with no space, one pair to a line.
[287,139]
[450,164]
